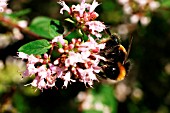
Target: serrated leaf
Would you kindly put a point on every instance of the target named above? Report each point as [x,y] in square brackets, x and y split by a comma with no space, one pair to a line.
[40,26]
[55,28]
[37,47]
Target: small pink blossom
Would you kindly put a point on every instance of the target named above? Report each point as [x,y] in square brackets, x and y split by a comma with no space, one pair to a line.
[93,6]
[79,8]
[35,81]
[82,12]
[31,70]
[53,68]
[51,81]
[59,71]
[96,27]
[87,76]
[59,39]
[22,55]
[42,84]
[71,59]
[32,59]
[65,7]
[85,15]
[85,55]
[43,72]
[67,79]
[91,44]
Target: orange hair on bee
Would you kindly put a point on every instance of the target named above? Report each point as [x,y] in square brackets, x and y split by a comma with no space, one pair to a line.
[121,48]
[122,73]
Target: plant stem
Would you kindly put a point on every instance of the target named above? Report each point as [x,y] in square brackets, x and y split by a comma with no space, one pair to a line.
[10,23]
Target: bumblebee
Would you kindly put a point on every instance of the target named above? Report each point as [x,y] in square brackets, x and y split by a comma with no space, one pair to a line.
[116,66]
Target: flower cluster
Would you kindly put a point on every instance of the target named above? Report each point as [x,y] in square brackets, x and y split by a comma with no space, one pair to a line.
[138,9]
[3,5]
[85,16]
[77,61]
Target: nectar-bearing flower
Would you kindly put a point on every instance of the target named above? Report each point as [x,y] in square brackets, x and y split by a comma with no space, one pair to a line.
[85,16]
[78,61]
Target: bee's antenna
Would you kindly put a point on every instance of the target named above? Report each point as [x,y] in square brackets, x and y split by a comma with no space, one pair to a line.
[107,30]
[129,48]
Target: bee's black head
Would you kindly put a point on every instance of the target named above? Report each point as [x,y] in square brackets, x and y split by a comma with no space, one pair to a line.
[115,39]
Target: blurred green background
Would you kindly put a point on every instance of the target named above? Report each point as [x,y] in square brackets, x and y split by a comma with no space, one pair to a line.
[144,90]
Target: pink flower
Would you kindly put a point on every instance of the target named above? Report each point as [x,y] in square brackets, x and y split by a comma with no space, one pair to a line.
[79,8]
[74,58]
[85,15]
[91,44]
[42,84]
[67,79]
[31,70]
[65,7]
[53,68]
[96,27]
[59,39]
[32,59]
[87,76]
[43,72]
[82,12]
[93,6]
[60,72]
[51,81]
[39,83]
[35,81]
[22,55]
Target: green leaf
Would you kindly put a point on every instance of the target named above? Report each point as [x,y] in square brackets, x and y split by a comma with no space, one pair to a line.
[40,26]
[37,47]
[55,28]
[74,34]
[85,37]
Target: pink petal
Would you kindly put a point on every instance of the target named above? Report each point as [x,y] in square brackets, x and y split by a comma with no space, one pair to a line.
[65,7]
[93,6]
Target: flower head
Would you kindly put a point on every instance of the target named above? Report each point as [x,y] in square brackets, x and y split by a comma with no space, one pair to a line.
[75,60]
[95,27]
[85,16]
[78,61]
[3,5]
